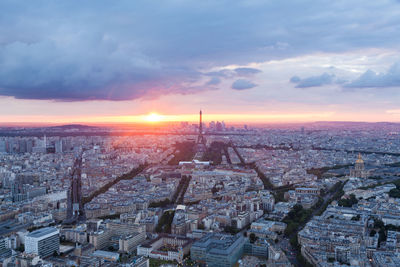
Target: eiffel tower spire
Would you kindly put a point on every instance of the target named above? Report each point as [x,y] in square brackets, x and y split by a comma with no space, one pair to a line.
[200,138]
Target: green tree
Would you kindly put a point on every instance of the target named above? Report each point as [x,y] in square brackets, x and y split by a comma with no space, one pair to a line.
[394,193]
[253,238]
[21,248]
[378,224]
[372,233]
[382,236]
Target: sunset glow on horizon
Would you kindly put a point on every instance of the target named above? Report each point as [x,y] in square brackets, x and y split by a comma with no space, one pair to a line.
[63,67]
[156,118]
[177,126]
[153,117]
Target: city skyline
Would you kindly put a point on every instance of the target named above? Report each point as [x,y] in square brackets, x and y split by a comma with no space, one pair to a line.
[255,61]
[200,133]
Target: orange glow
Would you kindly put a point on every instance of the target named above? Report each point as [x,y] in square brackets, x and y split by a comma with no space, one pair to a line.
[154,117]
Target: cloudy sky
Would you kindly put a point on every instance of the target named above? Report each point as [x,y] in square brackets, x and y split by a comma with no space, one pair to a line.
[298,60]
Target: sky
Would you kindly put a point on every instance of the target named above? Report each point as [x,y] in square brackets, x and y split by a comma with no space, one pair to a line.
[238,61]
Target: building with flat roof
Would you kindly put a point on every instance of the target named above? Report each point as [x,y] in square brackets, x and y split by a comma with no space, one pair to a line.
[259,248]
[219,250]
[100,239]
[130,242]
[384,258]
[43,242]
[166,247]
[121,229]
[106,255]
[139,261]
[5,250]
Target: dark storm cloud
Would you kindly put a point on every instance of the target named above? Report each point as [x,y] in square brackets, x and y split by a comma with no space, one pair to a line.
[98,70]
[74,50]
[242,84]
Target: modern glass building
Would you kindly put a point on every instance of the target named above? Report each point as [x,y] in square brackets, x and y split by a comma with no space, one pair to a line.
[43,242]
[259,248]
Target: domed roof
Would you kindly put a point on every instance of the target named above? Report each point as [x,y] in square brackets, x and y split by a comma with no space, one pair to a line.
[359,160]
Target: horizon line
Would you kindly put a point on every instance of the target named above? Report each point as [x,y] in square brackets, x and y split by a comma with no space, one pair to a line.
[165,123]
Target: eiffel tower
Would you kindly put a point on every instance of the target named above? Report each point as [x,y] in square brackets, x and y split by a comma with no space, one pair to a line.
[200,139]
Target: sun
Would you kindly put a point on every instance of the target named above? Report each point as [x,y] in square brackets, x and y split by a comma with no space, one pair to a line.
[153,117]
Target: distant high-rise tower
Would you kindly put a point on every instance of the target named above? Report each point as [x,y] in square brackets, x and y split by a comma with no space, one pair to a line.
[200,138]
[75,209]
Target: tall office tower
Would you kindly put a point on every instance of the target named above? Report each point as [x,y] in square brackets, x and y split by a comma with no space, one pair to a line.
[40,146]
[219,126]
[58,146]
[43,242]
[22,146]
[29,145]
[10,148]
[212,125]
[3,147]
[18,192]
[75,209]
[67,146]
